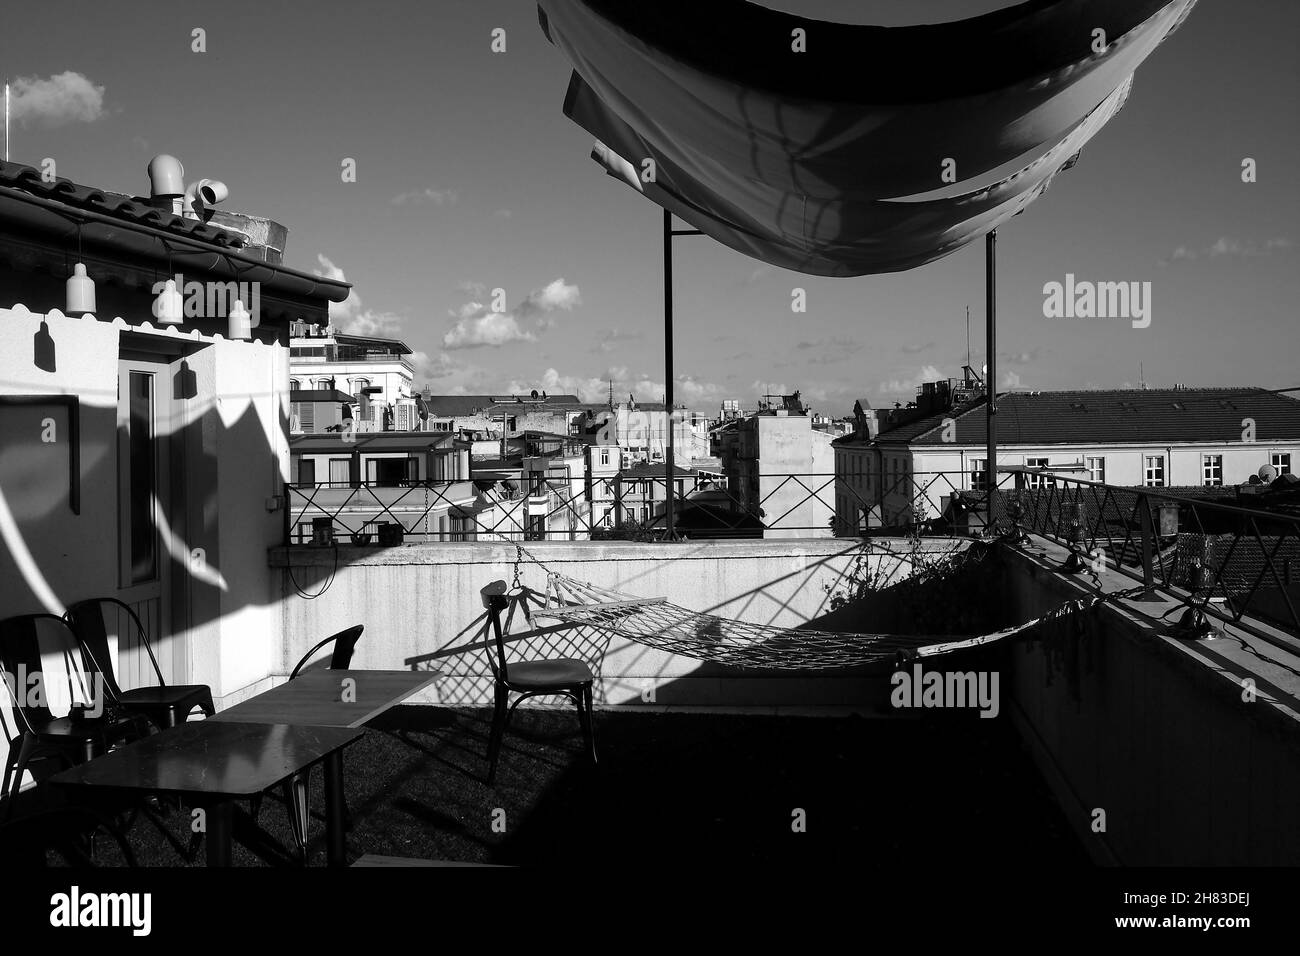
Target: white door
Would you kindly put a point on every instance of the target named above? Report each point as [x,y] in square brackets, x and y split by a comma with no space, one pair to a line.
[147,521]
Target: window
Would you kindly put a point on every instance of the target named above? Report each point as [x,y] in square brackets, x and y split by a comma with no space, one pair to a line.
[340,472]
[306,472]
[1097,469]
[1039,481]
[392,472]
[142,479]
[1212,470]
[979,474]
[604,456]
[1281,460]
[536,528]
[1154,473]
[294,385]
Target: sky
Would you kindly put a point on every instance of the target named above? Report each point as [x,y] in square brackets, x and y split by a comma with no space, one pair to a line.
[470,179]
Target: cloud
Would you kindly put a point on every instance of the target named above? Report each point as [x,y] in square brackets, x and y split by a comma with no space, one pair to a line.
[349,316]
[503,214]
[1021,358]
[609,339]
[66,97]
[927,373]
[687,390]
[441,365]
[841,348]
[418,197]
[915,349]
[757,274]
[1232,248]
[478,326]
[1010,380]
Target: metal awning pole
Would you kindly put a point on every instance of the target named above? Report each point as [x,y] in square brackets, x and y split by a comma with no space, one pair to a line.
[668,370]
[991,375]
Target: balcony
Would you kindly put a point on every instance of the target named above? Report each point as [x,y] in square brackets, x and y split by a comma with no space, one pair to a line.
[1189,741]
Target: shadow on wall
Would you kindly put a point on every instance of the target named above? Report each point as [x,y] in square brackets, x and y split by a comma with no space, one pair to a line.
[467,671]
[53,557]
[960,603]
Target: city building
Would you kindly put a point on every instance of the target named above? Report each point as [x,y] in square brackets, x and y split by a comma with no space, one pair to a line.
[374,371]
[1163,438]
[780,469]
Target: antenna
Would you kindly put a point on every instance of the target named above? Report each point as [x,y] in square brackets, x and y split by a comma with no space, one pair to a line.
[6,122]
[1142,377]
[968,335]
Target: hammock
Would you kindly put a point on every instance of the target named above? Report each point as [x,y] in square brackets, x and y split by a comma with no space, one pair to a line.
[658,623]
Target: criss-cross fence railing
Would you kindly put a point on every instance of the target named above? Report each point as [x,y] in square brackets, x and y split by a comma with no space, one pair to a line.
[1236,561]
[706,506]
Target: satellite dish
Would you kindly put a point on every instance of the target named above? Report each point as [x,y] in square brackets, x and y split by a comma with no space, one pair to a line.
[1267,473]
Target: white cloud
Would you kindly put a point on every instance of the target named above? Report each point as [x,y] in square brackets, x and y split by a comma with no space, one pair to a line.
[1235,248]
[429,366]
[687,390]
[927,373]
[478,326]
[66,97]
[349,316]
[418,197]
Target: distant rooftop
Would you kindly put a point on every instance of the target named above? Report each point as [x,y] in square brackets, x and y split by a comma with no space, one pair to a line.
[457,406]
[1106,416]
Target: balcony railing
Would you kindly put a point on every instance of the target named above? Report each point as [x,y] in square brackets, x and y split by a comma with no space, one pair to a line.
[788,505]
[1234,561]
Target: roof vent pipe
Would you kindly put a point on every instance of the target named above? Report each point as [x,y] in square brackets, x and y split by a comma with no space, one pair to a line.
[201,195]
[166,177]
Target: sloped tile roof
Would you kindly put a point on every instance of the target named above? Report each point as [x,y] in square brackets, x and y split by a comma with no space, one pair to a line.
[1135,416]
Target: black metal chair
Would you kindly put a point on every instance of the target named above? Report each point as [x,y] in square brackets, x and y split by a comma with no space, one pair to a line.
[296,787]
[565,677]
[163,705]
[37,735]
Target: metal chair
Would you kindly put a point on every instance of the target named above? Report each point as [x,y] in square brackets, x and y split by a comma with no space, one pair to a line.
[296,787]
[38,734]
[566,677]
[163,705]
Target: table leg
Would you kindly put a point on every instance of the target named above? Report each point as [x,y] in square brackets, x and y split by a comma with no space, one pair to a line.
[335,830]
[220,832]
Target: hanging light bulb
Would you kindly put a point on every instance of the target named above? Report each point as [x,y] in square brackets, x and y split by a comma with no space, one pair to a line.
[81,292]
[240,322]
[169,307]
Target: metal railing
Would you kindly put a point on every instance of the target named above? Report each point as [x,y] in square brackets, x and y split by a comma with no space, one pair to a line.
[1245,559]
[749,506]
[1234,561]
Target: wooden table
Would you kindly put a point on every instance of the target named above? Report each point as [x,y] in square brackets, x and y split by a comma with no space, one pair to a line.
[330,698]
[212,763]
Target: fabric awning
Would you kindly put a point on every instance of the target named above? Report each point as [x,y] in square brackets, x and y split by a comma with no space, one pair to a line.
[821,161]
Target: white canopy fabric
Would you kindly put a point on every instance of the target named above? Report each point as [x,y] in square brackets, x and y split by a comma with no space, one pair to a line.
[820,161]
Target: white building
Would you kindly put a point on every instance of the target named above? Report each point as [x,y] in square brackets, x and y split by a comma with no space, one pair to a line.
[1179,437]
[375,371]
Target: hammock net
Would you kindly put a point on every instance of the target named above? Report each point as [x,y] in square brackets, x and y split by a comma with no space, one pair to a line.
[661,624]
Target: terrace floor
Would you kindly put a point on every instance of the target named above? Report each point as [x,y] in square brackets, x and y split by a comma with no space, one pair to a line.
[711,789]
